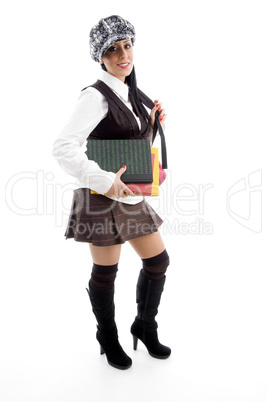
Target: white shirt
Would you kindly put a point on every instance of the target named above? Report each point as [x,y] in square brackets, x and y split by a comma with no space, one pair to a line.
[70,146]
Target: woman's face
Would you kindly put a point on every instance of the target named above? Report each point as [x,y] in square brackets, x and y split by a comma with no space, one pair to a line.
[118,59]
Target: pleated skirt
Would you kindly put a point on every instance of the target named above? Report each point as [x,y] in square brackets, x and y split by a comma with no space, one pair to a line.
[104,222]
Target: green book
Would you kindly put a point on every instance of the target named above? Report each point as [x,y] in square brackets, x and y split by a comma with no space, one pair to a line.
[111,155]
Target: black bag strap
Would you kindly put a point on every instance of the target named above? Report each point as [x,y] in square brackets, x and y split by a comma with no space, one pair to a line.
[157,128]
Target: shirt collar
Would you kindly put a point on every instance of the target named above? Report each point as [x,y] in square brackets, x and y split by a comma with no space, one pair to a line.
[115,84]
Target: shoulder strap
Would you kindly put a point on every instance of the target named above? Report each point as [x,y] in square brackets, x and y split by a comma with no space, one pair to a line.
[145,99]
[157,127]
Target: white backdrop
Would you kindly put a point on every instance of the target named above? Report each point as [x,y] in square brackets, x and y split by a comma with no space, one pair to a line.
[206,61]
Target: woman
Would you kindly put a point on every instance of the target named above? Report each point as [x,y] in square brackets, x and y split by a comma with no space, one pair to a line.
[111,109]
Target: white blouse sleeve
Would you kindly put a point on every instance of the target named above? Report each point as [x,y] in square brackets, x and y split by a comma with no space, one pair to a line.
[69,149]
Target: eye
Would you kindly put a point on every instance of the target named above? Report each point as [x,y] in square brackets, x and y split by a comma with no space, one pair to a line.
[112,49]
[128,46]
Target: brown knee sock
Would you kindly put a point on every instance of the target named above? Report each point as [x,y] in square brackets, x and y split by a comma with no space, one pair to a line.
[103,276]
[155,267]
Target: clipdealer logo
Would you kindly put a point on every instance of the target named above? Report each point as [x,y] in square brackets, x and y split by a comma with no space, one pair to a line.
[184,206]
[44,196]
[37,193]
[244,201]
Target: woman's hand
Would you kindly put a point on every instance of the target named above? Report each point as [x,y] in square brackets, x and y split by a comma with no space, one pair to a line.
[118,188]
[162,115]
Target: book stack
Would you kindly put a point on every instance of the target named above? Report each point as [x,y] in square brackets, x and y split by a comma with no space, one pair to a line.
[142,161]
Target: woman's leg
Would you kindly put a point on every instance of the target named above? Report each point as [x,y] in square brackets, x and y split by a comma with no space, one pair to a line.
[154,256]
[149,288]
[148,246]
[101,294]
[105,255]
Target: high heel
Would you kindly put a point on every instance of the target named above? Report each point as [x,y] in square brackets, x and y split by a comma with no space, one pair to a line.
[144,326]
[135,341]
[107,335]
[115,355]
[147,333]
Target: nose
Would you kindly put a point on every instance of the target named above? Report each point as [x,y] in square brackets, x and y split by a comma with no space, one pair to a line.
[123,53]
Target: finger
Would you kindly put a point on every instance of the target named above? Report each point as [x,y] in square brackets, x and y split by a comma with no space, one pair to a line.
[127,191]
[121,171]
[123,191]
[123,194]
[160,109]
[153,111]
[162,117]
[159,106]
[155,108]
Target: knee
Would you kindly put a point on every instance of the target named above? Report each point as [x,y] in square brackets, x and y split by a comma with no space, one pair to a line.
[156,267]
[103,276]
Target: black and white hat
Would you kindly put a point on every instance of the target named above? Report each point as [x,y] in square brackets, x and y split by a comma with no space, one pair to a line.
[108,31]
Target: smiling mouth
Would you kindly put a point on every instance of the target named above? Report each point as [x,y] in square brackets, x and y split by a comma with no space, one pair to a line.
[123,65]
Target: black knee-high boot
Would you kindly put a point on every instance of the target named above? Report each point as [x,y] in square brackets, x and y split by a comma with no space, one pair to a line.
[102,302]
[148,295]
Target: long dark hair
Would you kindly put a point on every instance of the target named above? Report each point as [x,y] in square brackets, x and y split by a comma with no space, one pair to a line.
[131,81]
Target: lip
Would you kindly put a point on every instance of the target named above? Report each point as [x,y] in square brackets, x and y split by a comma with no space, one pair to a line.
[123,65]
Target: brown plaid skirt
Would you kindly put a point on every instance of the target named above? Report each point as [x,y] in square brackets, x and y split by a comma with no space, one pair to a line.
[103,222]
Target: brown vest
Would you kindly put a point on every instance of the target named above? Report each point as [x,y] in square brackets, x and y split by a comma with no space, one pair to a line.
[119,122]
